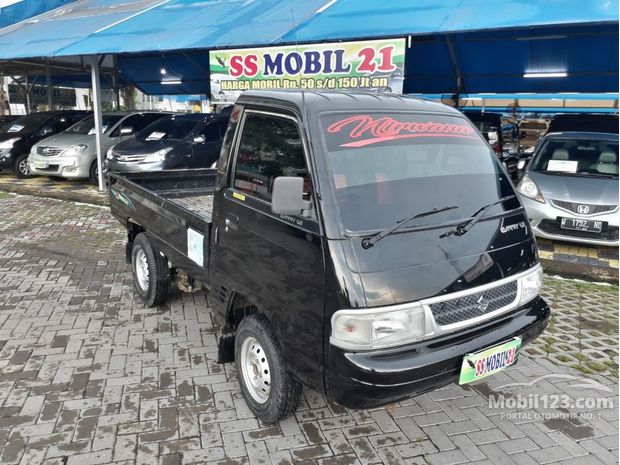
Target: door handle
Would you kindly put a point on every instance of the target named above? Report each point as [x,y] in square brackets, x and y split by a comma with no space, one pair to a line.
[231,222]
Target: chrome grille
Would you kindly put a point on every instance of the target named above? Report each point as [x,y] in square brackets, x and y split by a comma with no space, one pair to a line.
[580,208]
[474,305]
[48,151]
[128,158]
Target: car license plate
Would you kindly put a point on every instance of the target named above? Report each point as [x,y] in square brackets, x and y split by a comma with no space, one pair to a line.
[40,164]
[489,361]
[577,224]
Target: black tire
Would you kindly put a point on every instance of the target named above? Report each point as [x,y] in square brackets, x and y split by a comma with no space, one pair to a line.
[92,174]
[284,390]
[21,168]
[154,290]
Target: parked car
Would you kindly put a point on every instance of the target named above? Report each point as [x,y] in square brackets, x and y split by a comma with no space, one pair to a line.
[184,141]
[490,126]
[73,153]
[570,188]
[24,132]
[584,122]
[334,239]
[5,120]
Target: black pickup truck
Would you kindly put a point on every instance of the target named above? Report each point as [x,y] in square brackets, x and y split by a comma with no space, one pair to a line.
[368,246]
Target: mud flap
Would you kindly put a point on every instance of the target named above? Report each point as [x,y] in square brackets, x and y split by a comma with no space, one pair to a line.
[226,348]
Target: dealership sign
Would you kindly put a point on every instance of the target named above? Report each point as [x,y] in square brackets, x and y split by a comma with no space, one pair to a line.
[375,65]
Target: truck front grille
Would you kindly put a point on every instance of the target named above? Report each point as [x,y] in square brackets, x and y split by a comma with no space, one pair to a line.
[48,151]
[474,305]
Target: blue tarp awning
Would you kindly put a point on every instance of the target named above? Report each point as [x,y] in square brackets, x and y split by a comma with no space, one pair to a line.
[488,44]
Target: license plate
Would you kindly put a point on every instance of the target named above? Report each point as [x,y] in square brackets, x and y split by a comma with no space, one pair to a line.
[489,361]
[40,164]
[577,224]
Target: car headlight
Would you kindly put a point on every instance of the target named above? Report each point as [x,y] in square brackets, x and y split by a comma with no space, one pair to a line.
[521,164]
[110,153]
[73,150]
[529,189]
[367,329]
[530,285]
[160,155]
[8,144]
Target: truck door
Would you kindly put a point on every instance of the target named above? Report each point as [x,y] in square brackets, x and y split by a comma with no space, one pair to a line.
[276,262]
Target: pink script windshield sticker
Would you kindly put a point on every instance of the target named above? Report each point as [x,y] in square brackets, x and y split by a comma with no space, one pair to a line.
[368,130]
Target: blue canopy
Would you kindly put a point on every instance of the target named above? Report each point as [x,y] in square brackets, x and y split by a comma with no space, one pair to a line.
[486,45]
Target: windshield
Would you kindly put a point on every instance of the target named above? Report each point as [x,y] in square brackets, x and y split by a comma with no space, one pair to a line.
[386,167]
[577,157]
[167,128]
[28,123]
[87,125]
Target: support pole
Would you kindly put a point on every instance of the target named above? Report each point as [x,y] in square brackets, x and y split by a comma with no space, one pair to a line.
[96,84]
[27,95]
[48,76]
[117,95]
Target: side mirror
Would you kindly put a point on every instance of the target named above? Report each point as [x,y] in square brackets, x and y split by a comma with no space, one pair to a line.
[287,197]
[199,140]
[126,131]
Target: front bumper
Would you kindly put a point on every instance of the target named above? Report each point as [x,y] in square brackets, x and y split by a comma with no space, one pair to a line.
[374,378]
[6,159]
[65,167]
[544,218]
[114,166]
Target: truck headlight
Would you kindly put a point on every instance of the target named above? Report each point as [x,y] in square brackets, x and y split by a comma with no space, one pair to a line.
[367,329]
[160,155]
[529,189]
[530,285]
[8,144]
[73,150]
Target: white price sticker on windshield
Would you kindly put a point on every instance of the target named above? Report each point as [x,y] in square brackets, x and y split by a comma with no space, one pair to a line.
[564,166]
[156,135]
[194,246]
[16,128]
[93,130]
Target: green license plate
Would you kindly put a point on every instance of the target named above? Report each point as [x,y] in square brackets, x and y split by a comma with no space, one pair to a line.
[489,361]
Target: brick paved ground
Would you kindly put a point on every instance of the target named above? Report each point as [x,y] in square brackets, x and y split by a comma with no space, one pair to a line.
[88,375]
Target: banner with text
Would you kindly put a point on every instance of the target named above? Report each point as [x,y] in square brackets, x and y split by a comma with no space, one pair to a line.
[374,65]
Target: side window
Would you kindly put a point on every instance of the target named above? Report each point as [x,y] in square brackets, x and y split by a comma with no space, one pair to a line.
[270,146]
[212,132]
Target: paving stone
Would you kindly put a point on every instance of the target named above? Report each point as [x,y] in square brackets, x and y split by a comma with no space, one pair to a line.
[88,375]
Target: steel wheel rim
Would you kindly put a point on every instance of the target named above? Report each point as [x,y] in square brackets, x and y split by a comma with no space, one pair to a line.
[23,167]
[255,370]
[142,270]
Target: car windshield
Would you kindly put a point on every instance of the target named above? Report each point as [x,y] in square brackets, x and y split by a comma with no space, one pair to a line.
[167,128]
[87,125]
[28,123]
[387,166]
[577,157]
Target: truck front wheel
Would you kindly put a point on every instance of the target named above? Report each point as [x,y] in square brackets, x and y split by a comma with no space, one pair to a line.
[268,388]
[151,276]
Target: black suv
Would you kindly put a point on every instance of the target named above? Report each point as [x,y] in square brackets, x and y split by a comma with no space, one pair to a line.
[21,134]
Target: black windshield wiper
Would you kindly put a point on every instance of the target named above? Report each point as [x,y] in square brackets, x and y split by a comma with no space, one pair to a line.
[464,227]
[368,242]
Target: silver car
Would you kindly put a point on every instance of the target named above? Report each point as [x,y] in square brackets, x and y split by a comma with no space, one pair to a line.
[570,188]
[73,153]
